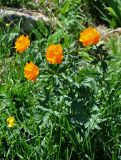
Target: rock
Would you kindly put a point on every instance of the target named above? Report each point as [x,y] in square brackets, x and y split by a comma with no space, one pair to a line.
[106,33]
[28,17]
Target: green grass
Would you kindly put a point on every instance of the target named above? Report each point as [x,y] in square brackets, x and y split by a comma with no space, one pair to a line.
[73,110]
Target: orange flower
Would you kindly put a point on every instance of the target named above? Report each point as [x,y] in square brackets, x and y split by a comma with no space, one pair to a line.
[31,71]
[22,43]
[54,54]
[89,36]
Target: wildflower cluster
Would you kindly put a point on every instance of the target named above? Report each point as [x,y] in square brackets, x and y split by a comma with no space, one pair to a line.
[54,55]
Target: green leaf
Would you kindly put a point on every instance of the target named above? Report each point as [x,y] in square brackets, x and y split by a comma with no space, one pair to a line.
[112,12]
[42,28]
[85,56]
[55,38]
[65,7]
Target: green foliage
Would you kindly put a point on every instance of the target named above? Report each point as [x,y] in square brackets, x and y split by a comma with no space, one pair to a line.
[72,111]
[15,3]
[108,11]
[114,9]
[96,9]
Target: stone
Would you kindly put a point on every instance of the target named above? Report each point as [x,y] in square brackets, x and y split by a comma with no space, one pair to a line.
[106,33]
[28,18]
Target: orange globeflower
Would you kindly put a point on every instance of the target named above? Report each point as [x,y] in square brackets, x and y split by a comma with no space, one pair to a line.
[89,36]
[31,71]
[54,54]
[22,43]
